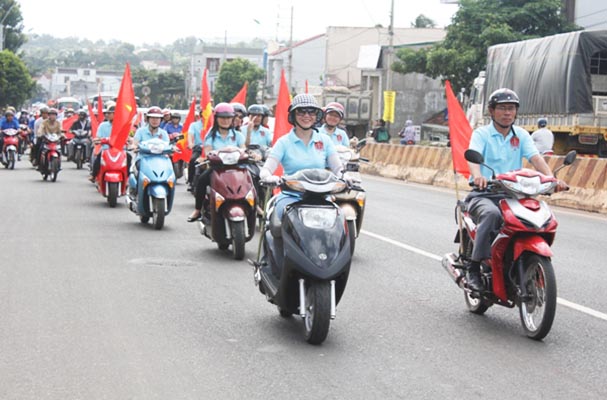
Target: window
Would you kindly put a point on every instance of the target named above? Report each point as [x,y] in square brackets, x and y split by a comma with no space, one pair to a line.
[598,63]
[213,64]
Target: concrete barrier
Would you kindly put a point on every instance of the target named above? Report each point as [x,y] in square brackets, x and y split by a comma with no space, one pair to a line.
[587,177]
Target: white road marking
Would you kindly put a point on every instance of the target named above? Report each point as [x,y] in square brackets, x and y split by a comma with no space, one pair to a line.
[561,301]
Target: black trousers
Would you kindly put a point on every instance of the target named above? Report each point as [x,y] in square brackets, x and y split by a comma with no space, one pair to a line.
[196,152]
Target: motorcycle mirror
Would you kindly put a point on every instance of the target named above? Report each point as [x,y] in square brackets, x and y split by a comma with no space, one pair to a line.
[569,159]
[361,144]
[474,156]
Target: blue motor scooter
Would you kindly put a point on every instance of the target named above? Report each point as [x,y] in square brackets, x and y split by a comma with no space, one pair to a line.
[152,191]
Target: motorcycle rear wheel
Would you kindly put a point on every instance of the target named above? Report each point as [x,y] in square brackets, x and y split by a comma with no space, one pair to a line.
[112,194]
[158,213]
[238,239]
[537,313]
[54,169]
[318,312]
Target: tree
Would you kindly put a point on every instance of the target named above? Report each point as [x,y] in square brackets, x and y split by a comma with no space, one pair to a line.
[16,84]
[166,89]
[233,75]
[477,25]
[13,27]
[423,22]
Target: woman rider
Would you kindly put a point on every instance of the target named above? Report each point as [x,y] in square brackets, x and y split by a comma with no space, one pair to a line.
[221,135]
[302,148]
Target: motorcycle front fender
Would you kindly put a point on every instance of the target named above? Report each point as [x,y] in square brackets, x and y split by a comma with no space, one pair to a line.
[533,244]
[349,211]
[235,212]
[158,190]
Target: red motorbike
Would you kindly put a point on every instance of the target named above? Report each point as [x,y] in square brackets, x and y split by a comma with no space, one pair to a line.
[229,207]
[111,181]
[177,158]
[24,140]
[50,156]
[10,149]
[520,271]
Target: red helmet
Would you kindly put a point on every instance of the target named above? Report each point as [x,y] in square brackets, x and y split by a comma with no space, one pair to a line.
[224,110]
[335,107]
[165,111]
[154,112]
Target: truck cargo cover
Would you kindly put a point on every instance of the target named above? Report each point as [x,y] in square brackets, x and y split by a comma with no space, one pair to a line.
[551,75]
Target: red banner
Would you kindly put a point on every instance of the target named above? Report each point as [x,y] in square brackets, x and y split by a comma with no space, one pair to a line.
[460,132]
[126,108]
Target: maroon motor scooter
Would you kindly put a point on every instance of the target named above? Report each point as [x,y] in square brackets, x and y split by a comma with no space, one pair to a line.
[228,216]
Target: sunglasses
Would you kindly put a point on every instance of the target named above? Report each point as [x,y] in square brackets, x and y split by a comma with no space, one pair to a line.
[309,111]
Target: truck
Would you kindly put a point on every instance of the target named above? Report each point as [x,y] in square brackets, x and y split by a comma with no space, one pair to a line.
[562,78]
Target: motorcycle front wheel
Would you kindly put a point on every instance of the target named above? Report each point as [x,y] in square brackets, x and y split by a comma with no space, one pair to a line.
[537,311]
[158,213]
[112,194]
[78,158]
[352,235]
[238,239]
[54,169]
[318,312]
[11,160]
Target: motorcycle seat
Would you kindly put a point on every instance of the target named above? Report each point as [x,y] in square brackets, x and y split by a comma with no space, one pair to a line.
[275,225]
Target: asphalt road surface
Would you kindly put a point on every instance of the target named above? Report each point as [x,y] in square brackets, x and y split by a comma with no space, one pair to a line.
[95,305]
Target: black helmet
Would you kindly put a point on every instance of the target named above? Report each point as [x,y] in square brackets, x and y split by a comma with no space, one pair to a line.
[266,110]
[501,96]
[239,108]
[256,109]
[304,100]
[542,122]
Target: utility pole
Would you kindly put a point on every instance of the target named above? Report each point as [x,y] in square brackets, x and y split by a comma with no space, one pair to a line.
[390,54]
[290,65]
[2,26]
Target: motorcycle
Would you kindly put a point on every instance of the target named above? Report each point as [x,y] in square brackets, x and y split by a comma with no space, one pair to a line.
[352,202]
[228,214]
[520,271]
[78,146]
[179,165]
[258,155]
[153,188]
[304,258]
[50,157]
[112,179]
[10,148]
[24,140]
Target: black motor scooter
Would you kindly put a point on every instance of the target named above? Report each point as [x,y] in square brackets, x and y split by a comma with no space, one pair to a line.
[304,259]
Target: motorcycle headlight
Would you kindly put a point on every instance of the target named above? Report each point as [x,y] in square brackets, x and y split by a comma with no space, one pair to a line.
[229,158]
[318,218]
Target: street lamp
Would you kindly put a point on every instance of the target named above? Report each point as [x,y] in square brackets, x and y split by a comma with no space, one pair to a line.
[2,26]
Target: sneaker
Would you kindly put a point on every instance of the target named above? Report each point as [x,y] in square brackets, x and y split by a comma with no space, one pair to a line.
[474,281]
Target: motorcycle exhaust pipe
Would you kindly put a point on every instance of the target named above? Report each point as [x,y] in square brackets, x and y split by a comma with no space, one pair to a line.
[332,299]
[449,263]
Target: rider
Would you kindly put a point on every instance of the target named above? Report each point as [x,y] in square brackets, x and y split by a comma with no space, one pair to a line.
[240,112]
[303,147]
[407,134]
[82,123]
[195,144]
[255,132]
[166,117]
[50,125]
[151,130]
[103,132]
[543,137]
[221,135]
[173,127]
[503,146]
[8,122]
[334,114]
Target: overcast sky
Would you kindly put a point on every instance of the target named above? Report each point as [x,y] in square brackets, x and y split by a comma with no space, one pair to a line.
[162,21]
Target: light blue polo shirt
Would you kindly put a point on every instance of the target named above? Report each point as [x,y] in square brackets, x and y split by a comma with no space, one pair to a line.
[294,155]
[502,154]
[144,134]
[234,138]
[261,136]
[104,130]
[195,129]
[339,136]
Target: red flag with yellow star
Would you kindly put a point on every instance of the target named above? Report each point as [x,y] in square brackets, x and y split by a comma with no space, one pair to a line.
[126,108]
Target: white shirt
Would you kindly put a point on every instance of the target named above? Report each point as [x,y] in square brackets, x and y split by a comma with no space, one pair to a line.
[543,140]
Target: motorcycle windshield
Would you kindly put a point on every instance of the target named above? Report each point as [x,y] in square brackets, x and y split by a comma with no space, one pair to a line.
[314,180]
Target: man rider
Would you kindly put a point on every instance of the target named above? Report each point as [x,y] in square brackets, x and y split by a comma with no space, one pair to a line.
[50,125]
[82,123]
[503,146]
[543,137]
[103,131]
[8,122]
[174,127]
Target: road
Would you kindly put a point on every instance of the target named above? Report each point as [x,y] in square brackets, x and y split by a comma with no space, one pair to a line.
[94,305]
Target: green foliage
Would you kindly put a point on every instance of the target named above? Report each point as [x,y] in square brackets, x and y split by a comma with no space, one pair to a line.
[166,89]
[477,25]
[233,75]
[423,22]
[13,25]
[16,84]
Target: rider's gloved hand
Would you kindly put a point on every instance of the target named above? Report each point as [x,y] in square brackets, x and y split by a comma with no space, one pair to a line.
[350,180]
[271,180]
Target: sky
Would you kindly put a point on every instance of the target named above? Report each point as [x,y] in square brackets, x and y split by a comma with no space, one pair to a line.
[161,21]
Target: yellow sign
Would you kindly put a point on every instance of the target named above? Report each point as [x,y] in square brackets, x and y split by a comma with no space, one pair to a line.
[389,100]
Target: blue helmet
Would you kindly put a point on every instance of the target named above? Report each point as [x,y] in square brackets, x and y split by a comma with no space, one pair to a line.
[542,122]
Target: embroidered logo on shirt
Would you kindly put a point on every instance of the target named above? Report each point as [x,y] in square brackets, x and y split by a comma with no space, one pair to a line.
[262,133]
[319,145]
[339,137]
[514,142]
